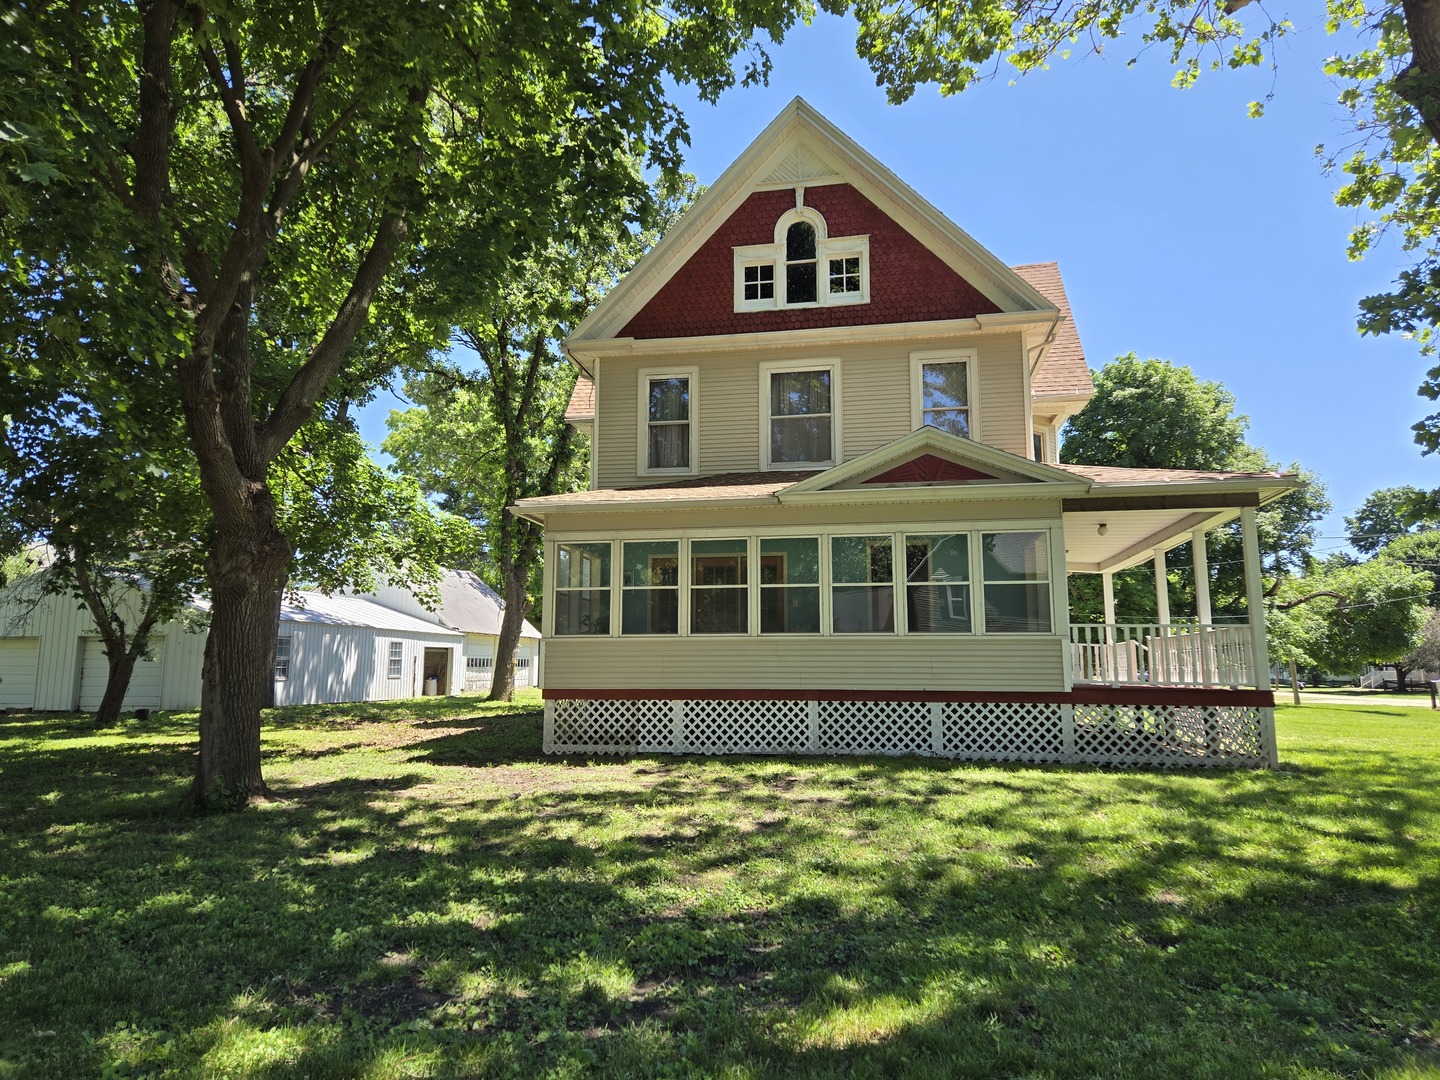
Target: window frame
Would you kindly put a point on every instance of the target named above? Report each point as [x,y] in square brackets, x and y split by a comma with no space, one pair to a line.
[920,360]
[837,442]
[395,660]
[826,248]
[642,448]
[1048,563]
[650,588]
[553,589]
[284,650]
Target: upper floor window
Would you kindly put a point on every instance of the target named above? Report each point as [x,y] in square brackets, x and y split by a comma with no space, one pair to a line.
[803,267]
[942,391]
[801,409]
[668,436]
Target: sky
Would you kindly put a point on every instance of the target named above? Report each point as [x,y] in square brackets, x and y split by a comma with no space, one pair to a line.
[1184,229]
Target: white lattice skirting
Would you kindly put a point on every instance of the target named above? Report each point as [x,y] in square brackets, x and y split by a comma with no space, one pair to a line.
[1175,735]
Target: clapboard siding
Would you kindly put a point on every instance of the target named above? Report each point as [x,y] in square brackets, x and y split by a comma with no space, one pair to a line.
[875,385]
[914,662]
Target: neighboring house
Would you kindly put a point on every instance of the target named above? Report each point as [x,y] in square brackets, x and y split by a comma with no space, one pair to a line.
[329,649]
[470,606]
[826,512]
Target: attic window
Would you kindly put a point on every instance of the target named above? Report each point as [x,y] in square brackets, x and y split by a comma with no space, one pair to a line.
[804,267]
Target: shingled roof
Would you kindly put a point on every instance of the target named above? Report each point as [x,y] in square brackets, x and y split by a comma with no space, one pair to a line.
[1064,370]
[582,402]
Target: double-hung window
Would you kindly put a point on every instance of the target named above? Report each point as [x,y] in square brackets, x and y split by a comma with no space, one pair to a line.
[668,436]
[1016,586]
[397,660]
[942,391]
[282,658]
[937,584]
[582,589]
[799,404]
[719,587]
[862,590]
[789,585]
[650,587]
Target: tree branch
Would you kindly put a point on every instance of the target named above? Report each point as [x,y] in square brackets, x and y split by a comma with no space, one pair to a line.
[1306,599]
[151,151]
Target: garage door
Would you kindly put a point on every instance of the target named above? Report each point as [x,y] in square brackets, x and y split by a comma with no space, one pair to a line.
[144,692]
[19,660]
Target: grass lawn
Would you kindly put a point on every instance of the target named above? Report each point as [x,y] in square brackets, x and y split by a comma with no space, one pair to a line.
[430,896]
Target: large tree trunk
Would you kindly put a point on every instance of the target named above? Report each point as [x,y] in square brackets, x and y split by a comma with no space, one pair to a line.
[247,571]
[117,681]
[502,686]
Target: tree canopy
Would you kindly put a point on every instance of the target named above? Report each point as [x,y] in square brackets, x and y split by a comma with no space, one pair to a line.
[1387,515]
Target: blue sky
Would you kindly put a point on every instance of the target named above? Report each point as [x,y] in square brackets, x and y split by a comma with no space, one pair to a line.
[1184,229]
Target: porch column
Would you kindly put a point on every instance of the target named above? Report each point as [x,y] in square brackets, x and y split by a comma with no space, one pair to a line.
[1202,577]
[1255,598]
[1162,589]
[1107,588]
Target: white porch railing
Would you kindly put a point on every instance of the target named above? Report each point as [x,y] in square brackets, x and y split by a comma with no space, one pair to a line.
[1161,654]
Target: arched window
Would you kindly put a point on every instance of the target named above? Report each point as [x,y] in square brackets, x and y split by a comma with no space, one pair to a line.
[800,259]
[805,266]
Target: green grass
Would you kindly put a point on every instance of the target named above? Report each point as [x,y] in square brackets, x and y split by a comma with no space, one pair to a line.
[430,895]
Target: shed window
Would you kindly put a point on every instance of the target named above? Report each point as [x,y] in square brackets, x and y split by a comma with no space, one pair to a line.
[397,659]
[479,663]
[282,658]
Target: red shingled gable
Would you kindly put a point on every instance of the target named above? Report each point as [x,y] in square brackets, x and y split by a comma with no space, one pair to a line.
[929,469]
[908,282]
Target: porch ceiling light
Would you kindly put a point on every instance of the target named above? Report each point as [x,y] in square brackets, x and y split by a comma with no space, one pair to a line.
[1101,529]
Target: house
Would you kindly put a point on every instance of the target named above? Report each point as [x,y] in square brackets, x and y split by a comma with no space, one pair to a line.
[470,606]
[826,511]
[329,649]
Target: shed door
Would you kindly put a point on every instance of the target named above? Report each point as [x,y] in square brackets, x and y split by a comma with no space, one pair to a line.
[19,661]
[144,691]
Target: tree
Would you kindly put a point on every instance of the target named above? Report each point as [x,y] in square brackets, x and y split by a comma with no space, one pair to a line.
[1420,552]
[1390,85]
[1386,515]
[264,189]
[1379,620]
[483,440]
[1152,414]
[1426,655]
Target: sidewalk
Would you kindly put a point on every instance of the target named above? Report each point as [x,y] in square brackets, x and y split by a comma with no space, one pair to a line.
[1284,697]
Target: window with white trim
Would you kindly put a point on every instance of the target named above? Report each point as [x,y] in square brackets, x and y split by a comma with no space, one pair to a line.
[937,584]
[799,404]
[397,660]
[282,658]
[1016,582]
[719,587]
[803,267]
[862,589]
[942,392]
[668,442]
[582,589]
[789,585]
[650,587]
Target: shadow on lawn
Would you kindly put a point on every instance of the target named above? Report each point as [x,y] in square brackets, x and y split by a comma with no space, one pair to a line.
[1008,933]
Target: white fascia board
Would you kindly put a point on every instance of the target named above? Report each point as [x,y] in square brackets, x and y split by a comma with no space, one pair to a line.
[1268,489]
[942,330]
[595,506]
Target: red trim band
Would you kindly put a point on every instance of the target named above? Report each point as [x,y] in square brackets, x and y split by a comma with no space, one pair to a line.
[1081,695]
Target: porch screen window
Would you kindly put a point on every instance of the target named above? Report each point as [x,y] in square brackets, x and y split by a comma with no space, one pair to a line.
[282,658]
[668,407]
[801,257]
[397,660]
[801,420]
[937,584]
[945,397]
[862,593]
[719,587]
[1017,582]
[582,589]
[650,587]
[790,586]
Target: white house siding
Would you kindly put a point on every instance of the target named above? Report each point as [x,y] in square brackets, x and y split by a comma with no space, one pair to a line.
[334,663]
[875,391]
[61,626]
[18,657]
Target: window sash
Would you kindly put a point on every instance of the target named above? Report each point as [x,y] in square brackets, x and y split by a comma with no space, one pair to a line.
[1015,582]
[282,658]
[396,668]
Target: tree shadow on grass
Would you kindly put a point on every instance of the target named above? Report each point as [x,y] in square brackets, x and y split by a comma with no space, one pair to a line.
[841,917]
